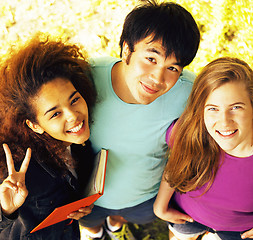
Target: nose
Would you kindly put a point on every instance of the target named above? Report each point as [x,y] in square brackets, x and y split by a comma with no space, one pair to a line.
[157,75]
[70,115]
[225,118]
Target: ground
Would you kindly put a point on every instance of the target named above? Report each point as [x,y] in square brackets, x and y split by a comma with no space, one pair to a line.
[157,230]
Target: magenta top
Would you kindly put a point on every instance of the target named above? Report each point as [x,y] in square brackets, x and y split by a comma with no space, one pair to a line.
[228,204]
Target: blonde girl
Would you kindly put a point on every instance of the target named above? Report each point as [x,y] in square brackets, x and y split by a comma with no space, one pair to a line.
[207,184]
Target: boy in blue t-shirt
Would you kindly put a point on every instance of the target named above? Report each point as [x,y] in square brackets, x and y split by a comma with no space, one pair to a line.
[139,96]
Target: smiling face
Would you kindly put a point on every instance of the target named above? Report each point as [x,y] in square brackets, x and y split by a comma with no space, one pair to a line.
[61,112]
[228,118]
[146,73]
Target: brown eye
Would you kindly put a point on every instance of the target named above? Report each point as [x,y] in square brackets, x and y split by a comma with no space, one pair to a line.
[75,100]
[173,69]
[55,115]
[151,59]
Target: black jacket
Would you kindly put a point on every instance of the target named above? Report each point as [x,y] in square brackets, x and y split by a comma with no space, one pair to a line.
[47,189]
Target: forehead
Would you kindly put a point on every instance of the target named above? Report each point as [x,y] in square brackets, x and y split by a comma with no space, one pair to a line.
[149,42]
[54,87]
[230,91]
[53,92]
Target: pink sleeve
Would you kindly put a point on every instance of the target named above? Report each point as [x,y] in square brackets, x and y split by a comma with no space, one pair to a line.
[168,133]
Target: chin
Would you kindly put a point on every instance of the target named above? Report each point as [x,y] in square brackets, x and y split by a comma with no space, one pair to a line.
[83,140]
[147,100]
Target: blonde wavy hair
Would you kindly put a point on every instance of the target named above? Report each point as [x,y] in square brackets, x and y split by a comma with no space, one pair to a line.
[194,155]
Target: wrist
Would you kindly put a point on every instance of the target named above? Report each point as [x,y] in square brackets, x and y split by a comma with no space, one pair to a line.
[9,214]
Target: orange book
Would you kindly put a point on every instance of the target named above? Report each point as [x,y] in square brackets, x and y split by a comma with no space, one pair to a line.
[93,191]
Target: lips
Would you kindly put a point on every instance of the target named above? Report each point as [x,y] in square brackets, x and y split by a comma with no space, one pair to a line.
[226,133]
[149,89]
[76,129]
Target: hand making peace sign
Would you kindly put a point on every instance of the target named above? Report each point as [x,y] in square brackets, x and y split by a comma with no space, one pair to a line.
[13,190]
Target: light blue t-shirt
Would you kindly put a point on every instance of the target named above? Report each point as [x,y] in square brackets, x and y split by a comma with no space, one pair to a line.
[134,134]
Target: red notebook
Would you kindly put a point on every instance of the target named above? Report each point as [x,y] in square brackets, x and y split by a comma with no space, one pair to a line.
[94,190]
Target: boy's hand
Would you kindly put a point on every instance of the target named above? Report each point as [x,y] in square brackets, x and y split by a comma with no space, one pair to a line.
[81,212]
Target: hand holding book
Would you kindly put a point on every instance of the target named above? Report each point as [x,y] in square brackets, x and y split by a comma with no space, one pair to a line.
[81,212]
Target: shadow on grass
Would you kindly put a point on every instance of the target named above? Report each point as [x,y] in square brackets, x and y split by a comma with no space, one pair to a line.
[157,230]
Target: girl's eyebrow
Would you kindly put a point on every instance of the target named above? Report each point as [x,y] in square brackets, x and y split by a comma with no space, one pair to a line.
[210,105]
[73,94]
[55,107]
[236,103]
[50,110]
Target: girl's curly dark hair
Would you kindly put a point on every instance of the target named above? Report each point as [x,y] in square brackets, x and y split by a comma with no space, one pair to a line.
[21,77]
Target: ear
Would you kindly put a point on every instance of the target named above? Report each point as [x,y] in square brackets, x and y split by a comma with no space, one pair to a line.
[34,126]
[125,52]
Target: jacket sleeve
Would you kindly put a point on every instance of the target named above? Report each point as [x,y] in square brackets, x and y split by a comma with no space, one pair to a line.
[4,221]
[7,222]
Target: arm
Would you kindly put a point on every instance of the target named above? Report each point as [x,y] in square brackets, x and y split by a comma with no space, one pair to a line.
[248,234]
[162,208]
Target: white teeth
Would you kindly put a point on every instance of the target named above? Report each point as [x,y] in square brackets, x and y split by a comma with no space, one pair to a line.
[227,133]
[76,129]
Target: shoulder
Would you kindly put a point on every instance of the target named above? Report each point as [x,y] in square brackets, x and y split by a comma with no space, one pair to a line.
[169,131]
[187,77]
[103,62]
[180,92]
[183,86]
[101,71]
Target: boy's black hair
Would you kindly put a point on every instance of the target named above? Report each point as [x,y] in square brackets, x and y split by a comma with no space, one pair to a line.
[168,22]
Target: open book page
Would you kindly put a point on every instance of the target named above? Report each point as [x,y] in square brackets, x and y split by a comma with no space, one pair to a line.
[93,191]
